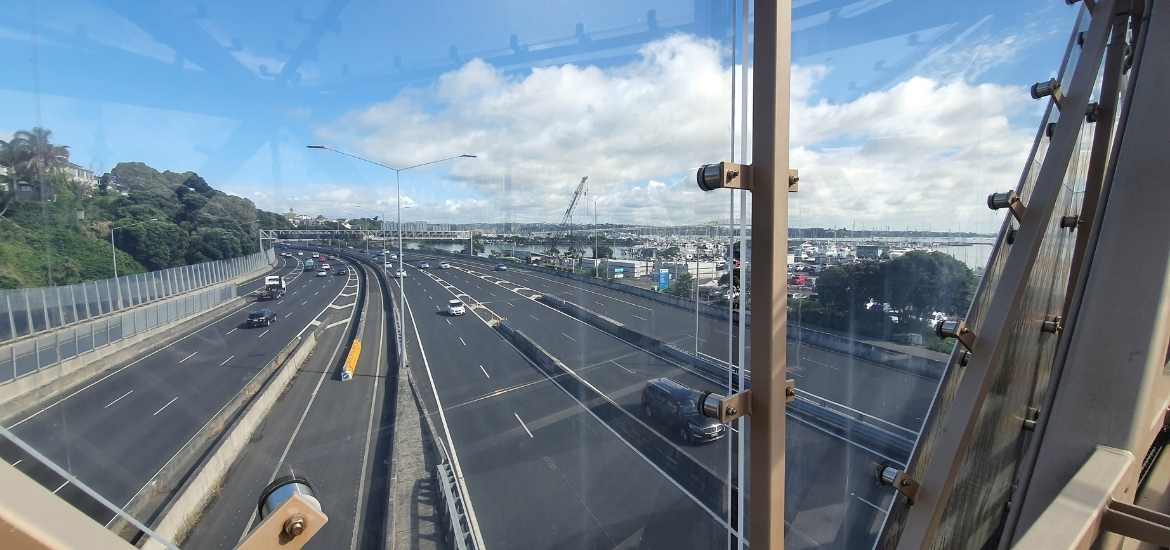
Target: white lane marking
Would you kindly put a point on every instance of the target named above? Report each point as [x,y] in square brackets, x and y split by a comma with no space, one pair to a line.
[449,322]
[533,316]
[135,362]
[621,366]
[14,464]
[188,357]
[437,308]
[341,322]
[304,302]
[510,304]
[61,486]
[476,534]
[461,340]
[638,317]
[225,361]
[262,334]
[346,306]
[484,372]
[369,426]
[522,425]
[569,337]
[118,399]
[231,331]
[316,293]
[165,406]
[287,315]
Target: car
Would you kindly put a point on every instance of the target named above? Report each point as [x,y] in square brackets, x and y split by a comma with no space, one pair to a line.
[676,407]
[261,318]
[455,308]
[444,265]
[400,273]
[322,273]
[424,265]
[326,267]
[341,271]
[394,256]
[501,267]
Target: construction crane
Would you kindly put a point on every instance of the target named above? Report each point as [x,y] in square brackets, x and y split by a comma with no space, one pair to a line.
[567,220]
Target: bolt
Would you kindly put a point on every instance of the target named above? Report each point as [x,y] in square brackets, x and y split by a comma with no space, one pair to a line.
[1011,236]
[789,391]
[294,526]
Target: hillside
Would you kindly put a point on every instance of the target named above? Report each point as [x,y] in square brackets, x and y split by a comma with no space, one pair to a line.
[166,219]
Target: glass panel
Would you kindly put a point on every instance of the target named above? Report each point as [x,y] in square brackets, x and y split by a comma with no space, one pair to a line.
[903,121]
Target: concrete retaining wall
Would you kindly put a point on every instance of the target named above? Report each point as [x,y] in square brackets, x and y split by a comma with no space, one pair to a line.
[255,400]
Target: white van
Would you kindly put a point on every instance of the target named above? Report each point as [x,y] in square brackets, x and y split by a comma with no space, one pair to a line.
[455,307]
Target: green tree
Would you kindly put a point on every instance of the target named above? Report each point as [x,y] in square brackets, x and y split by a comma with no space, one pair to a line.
[603,251]
[919,283]
[683,285]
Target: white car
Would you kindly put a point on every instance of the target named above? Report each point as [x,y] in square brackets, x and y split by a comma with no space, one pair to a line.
[444,265]
[400,273]
[322,273]
[455,307]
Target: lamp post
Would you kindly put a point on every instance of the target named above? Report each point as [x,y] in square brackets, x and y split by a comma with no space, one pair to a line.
[114,253]
[398,190]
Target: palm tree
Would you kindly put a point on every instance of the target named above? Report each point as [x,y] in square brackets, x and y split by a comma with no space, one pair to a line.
[37,152]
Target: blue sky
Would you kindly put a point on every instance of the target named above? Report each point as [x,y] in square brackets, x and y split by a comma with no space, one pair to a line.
[548,90]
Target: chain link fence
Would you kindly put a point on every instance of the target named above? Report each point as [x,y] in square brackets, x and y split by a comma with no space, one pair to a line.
[40,327]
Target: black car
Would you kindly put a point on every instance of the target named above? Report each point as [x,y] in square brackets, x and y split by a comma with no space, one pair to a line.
[340,271]
[261,318]
[676,407]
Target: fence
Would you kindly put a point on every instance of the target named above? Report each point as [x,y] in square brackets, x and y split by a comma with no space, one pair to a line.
[40,327]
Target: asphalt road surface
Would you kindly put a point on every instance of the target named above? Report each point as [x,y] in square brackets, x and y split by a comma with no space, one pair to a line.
[117,431]
[832,496]
[336,433]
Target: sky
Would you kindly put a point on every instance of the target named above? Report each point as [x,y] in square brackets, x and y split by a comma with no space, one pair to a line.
[904,114]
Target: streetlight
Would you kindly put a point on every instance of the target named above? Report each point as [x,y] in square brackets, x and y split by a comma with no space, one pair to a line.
[114,253]
[398,189]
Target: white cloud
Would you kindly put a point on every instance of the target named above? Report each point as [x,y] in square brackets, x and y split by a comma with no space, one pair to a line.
[921,153]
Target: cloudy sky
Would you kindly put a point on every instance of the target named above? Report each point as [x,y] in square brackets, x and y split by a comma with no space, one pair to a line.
[903,114]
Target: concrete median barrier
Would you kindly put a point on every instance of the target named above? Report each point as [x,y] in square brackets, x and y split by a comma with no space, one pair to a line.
[705,485]
[885,438]
[189,480]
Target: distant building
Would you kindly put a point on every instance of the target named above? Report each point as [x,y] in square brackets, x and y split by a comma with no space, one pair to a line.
[83,177]
[870,251]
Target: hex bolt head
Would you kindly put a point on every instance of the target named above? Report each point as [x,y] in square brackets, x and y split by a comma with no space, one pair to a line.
[294,526]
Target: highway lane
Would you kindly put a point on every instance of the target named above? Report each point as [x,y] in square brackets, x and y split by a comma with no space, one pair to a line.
[117,431]
[231,512]
[333,442]
[904,397]
[541,470]
[824,469]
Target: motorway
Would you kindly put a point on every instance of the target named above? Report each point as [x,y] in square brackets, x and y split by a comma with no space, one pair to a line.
[116,432]
[903,398]
[830,479]
[336,433]
[541,469]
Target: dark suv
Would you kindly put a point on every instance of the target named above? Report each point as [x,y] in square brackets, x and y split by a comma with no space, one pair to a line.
[677,407]
[261,318]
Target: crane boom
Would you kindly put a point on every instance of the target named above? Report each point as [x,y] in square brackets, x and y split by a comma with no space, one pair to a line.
[567,220]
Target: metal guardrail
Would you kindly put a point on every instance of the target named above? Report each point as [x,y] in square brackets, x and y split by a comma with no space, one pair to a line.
[95,315]
[453,510]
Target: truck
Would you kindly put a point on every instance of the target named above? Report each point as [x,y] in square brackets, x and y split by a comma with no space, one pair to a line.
[274,288]
[310,265]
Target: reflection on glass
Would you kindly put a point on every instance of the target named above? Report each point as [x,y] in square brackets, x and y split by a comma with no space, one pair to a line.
[509,349]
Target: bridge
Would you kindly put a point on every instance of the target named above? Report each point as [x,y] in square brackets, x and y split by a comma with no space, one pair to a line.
[379,235]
